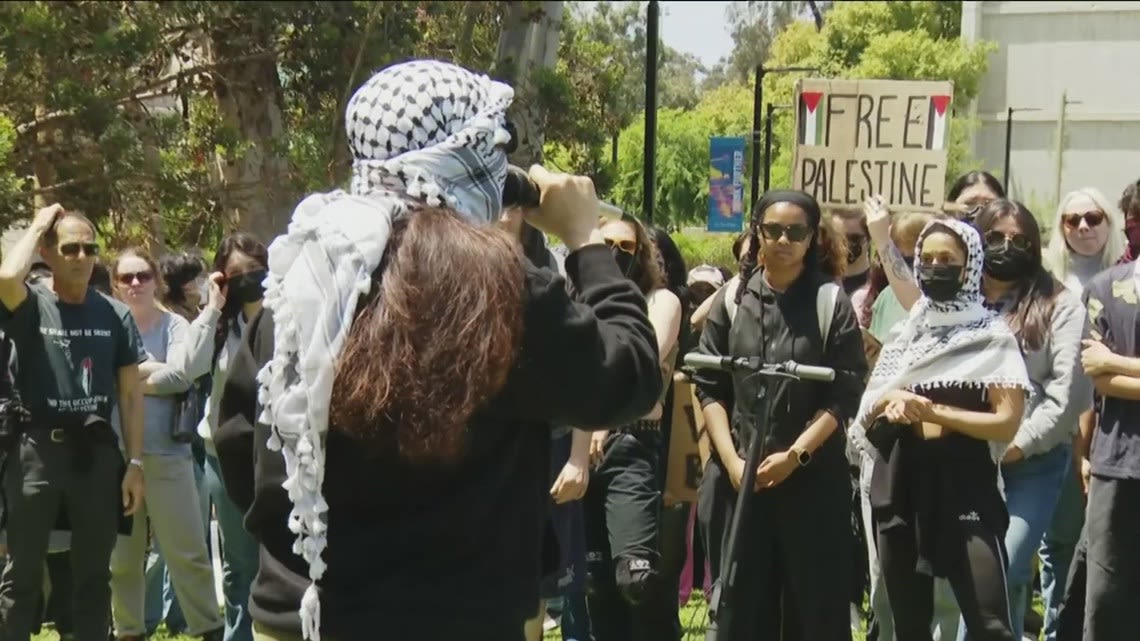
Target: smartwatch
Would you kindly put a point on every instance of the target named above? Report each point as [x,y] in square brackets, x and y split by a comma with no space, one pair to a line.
[138,463]
[803,457]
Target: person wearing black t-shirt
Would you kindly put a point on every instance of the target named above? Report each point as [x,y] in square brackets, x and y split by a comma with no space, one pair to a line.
[400,452]
[1112,524]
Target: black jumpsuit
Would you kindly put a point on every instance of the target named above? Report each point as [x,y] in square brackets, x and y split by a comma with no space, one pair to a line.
[797,549]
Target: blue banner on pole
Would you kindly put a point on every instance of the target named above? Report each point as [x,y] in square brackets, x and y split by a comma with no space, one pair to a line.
[726,184]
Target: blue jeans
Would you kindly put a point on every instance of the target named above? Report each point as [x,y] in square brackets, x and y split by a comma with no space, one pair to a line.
[239,556]
[1032,487]
[161,602]
[1058,547]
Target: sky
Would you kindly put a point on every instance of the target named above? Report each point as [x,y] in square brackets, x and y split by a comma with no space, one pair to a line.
[699,28]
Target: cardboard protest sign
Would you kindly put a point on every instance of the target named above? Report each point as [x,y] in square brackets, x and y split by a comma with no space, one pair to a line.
[859,138]
[683,474]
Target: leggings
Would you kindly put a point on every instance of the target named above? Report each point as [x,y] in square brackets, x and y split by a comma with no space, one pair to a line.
[976,571]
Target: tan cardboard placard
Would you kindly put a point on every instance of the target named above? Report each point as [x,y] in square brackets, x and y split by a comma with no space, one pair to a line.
[683,474]
[859,138]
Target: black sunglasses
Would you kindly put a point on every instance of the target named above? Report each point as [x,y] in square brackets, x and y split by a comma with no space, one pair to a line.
[795,233]
[128,278]
[1091,218]
[71,250]
[998,240]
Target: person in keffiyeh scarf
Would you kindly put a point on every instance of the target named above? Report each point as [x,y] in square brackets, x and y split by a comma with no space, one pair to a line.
[421,131]
[949,383]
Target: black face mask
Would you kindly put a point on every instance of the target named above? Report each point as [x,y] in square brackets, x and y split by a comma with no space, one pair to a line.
[854,251]
[1007,263]
[245,288]
[940,283]
[627,263]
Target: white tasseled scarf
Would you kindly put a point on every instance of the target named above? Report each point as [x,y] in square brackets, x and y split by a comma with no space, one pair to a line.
[953,343]
[422,130]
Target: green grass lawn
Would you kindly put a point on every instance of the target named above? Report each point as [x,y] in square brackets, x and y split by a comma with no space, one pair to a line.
[694,616]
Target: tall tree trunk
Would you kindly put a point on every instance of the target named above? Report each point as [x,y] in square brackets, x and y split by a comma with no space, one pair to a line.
[43,173]
[529,42]
[816,15]
[254,179]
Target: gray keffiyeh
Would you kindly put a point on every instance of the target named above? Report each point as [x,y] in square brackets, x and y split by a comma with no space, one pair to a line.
[419,131]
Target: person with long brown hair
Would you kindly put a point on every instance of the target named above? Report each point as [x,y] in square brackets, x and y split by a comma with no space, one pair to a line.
[623,500]
[234,298]
[399,387]
[1049,321]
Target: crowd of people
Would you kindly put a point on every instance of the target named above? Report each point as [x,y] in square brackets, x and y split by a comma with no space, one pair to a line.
[410,418]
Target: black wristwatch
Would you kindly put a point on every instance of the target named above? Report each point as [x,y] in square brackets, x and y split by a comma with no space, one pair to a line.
[803,457]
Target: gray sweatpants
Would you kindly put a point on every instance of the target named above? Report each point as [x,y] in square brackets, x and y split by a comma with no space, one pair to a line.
[39,481]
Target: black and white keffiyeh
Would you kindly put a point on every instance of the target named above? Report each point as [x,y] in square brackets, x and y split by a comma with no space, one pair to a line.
[953,343]
[423,130]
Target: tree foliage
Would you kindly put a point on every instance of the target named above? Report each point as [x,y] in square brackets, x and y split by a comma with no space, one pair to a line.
[182,119]
[883,40]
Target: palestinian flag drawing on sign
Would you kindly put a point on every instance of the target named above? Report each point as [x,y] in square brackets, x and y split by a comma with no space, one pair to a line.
[810,118]
[936,122]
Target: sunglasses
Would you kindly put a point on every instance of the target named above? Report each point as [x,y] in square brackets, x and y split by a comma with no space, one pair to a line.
[129,278]
[856,239]
[794,233]
[998,240]
[1091,218]
[627,246]
[71,250]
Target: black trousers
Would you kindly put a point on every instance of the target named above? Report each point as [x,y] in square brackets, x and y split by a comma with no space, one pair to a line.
[976,571]
[1071,614]
[1113,528]
[795,564]
[40,479]
[625,593]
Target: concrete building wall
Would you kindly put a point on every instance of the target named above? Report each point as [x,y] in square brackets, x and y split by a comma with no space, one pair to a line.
[1088,52]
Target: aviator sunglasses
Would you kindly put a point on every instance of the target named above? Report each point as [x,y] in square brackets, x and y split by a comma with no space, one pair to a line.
[71,250]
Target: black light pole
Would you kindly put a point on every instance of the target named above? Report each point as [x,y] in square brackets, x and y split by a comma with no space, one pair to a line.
[1009,142]
[768,142]
[649,173]
[757,113]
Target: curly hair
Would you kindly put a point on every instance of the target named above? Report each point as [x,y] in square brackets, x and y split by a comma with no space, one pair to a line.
[832,248]
[434,340]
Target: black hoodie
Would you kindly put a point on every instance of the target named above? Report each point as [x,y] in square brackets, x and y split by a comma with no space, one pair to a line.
[432,553]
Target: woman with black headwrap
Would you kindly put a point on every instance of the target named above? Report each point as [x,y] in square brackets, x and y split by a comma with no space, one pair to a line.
[794,565]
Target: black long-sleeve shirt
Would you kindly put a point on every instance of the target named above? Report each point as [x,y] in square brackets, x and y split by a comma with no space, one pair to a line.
[404,540]
[786,325]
